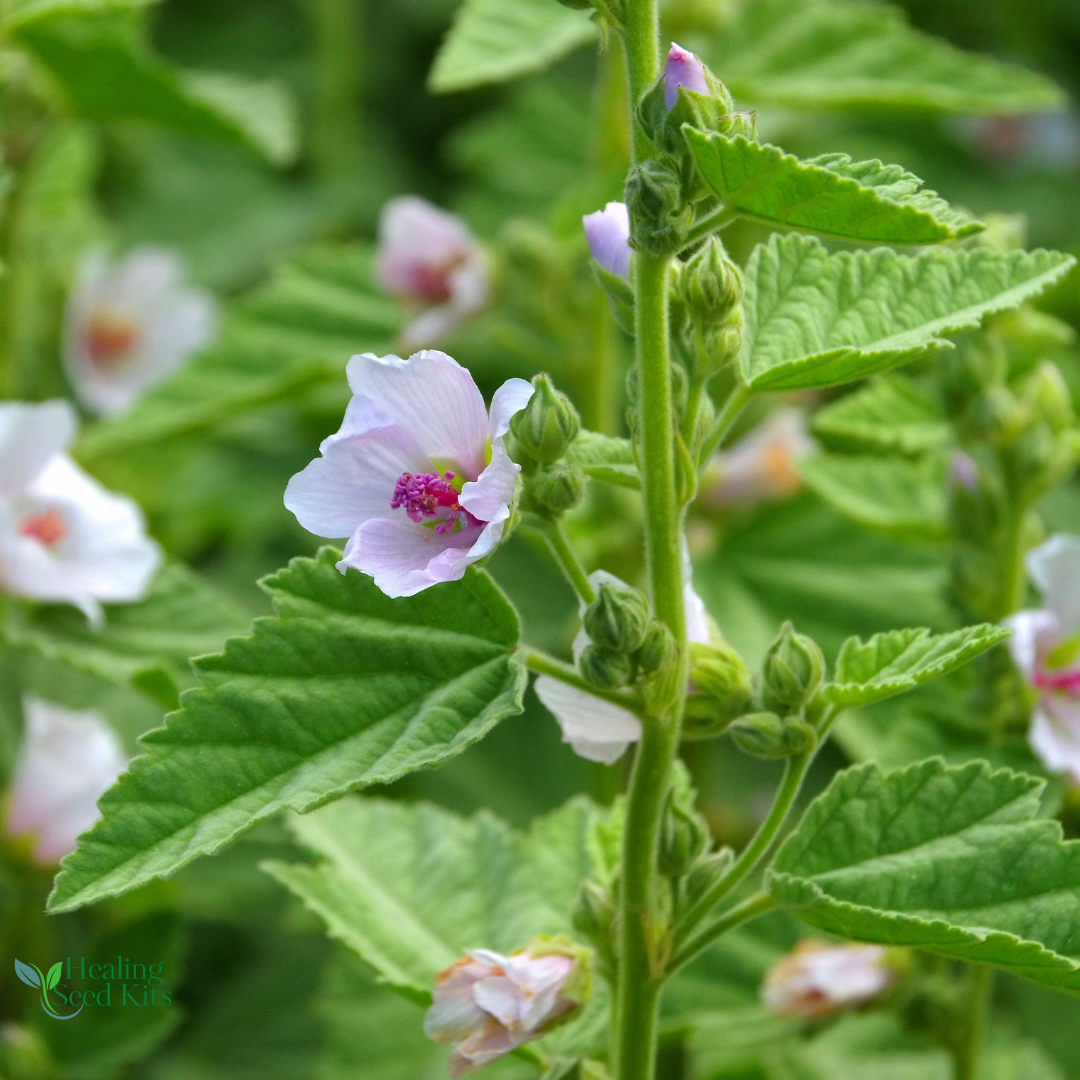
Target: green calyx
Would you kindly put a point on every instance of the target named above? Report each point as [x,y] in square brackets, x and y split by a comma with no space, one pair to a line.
[720,690]
[714,111]
[792,671]
[766,735]
[547,426]
[684,837]
[556,488]
[618,619]
[605,669]
[659,215]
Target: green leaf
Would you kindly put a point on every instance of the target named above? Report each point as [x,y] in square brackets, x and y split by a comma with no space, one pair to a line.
[830,195]
[604,457]
[947,859]
[410,889]
[106,70]
[494,40]
[343,688]
[900,660]
[281,339]
[53,976]
[21,12]
[902,498]
[890,415]
[818,54]
[815,319]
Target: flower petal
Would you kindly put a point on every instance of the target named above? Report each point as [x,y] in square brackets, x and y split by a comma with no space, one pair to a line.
[607,232]
[434,398]
[414,232]
[510,398]
[1054,567]
[489,496]
[30,437]
[1055,735]
[1034,635]
[596,729]
[683,68]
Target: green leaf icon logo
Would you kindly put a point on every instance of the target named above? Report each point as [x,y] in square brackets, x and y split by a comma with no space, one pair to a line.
[54,974]
[29,975]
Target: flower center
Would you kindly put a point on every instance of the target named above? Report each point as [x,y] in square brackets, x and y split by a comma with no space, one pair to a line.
[47,528]
[1068,682]
[423,495]
[109,339]
[431,282]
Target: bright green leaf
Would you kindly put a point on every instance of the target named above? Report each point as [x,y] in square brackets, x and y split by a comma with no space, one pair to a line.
[830,195]
[815,319]
[21,12]
[343,688]
[902,498]
[819,54]
[890,415]
[53,977]
[900,660]
[949,859]
[604,457]
[494,40]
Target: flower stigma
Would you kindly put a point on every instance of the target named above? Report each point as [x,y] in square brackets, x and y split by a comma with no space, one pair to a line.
[109,339]
[423,495]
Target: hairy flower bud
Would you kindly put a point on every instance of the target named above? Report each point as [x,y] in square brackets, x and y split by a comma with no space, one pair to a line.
[604,668]
[705,874]
[1045,389]
[710,283]
[658,218]
[547,426]
[684,838]
[720,689]
[657,650]
[766,735]
[617,619]
[557,488]
[793,669]
[593,911]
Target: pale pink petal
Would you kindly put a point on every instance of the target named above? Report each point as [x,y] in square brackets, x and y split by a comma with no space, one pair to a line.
[430,326]
[454,1013]
[510,398]
[699,627]
[30,437]
[1055,735]
[608,234]
[413,231]
[469,290]
[1054,567]
[432,397]
[683,68]
[596,729]
[489,497]
[1034,635]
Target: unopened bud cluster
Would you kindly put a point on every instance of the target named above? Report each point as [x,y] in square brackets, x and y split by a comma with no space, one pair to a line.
[543,432]
[626,642]
[709,289]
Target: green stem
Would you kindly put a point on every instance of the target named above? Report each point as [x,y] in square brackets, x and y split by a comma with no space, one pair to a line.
[543,664]
[568,560]
[641,25]
[794,771]
[750,908]
[719,219]
[728,415]
[1013,570]
[967,1055]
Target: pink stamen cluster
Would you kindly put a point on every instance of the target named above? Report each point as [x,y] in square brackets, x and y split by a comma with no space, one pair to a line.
[47,528]
[1067,682]
[421,495]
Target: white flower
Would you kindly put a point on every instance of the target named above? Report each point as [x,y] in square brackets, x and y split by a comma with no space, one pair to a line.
[762,465]
[433,262]
[418,477]
[65,764]
[597,729]
[131,324]
[608,234]
[63,537]
[487,1004]
[816,979]
[1045,646]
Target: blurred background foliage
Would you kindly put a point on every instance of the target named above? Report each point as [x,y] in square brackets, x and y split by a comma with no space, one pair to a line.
[260,138]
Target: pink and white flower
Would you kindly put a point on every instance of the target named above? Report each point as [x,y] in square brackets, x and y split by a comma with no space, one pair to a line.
[608,234]
[817,979]
[1045,646]
[683,68]
[762,465]
[487,1004]
[418,476]
[65,764]
[431,260]
[596,729]
[131,324]
[63,537]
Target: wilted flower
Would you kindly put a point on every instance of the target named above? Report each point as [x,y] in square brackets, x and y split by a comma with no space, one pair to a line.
[130,324]
[487,1004]
[433,262]
[683,68]
[761,465]
[608,234]
[1045,646]
[418,477]
[816,979]
[65,764]
[63,537]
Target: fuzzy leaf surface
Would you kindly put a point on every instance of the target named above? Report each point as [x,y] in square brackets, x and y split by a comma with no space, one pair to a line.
[492,41]
[900,660]
[341,689]
[816,319]
[830,195]
[903,498]
[950,859]
[890,415]
[817,54]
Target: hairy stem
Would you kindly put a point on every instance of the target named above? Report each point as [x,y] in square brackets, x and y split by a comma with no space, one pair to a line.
[967,1051]
[728,415]
[719,219]
[750,908]
[543,664]
[568,560]
[641,25]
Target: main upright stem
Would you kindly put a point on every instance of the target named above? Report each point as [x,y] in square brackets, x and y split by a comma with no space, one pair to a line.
[644,935]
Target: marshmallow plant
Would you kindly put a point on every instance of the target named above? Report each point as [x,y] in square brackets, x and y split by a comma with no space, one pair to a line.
[130,325]
[400,651]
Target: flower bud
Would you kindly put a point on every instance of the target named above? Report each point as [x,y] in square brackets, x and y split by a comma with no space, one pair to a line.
[617,619]
[658,218]
[605,669]
[557,488]
[1045,389]
[766,735]
[608,234]
[720,689]
[705,874]
[593,912]
[547,426]
[684,838]
[657,649]
[710,283]
[792,671]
